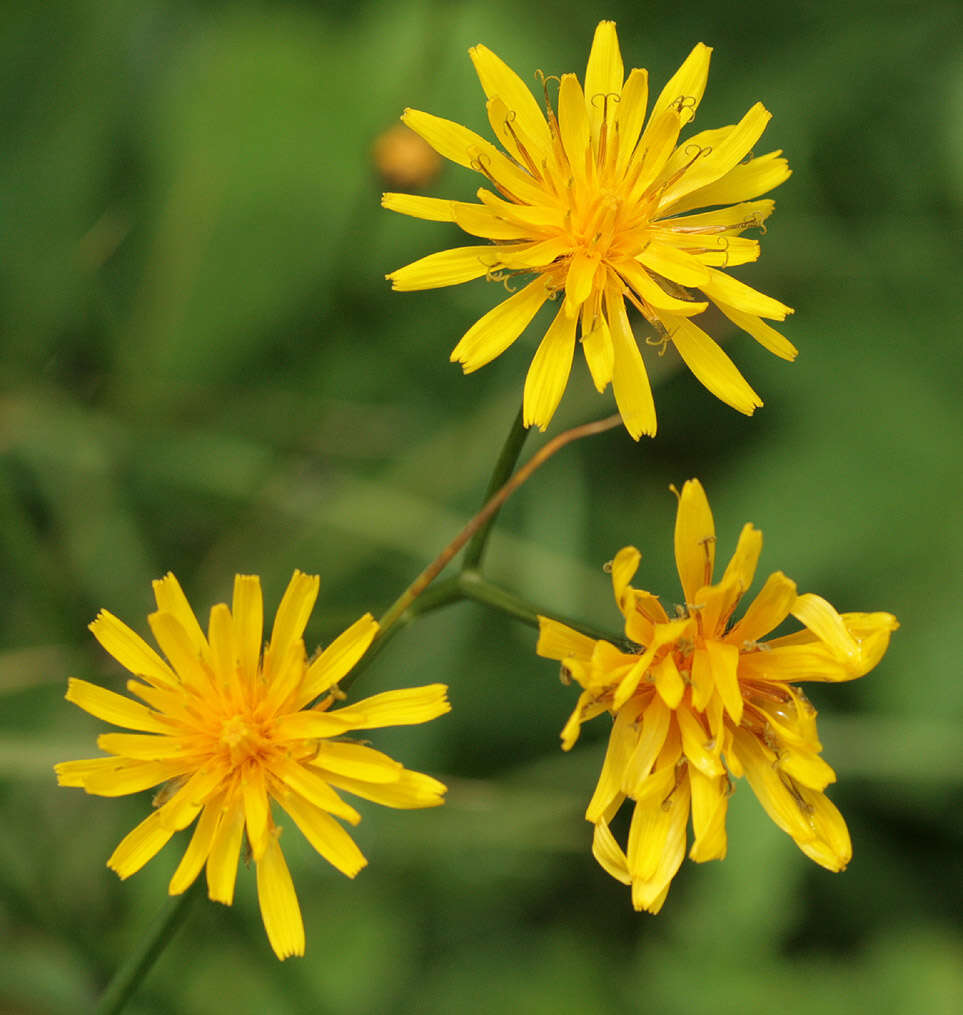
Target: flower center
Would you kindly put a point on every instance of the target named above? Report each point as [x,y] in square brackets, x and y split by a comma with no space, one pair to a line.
[242,738]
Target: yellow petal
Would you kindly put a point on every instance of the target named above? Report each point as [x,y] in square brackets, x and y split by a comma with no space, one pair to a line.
[695,540]
[549,372]
[479,220]
[257,814]
[747,180]
[603,75]
[630,382]
[145,747]
[668,681]
[711,366]
[115,776]
[337,660]
[492,334]
[299,779]
[656,846]
[114,708]
[767,611]
[451,140]
[664,634]
[289,621]
[224,853]
[724,663]
[742,567]
[497,78]
[356,761]
[822,619]
[171,599]
[631,115]
[556,641]
[763,333]
[700,677]
[397,708]
[597,347]
[723,155]
[710,801]
[653,294]
[434,209]
[325,835]
[411,790]
[687,86]
[446,267]
[180,649]
[199,848]
[621,743]
[224,657]
[734,218]
[624,566]
[609,854]
[573,125]
[831,848]
[131,651]
[655,728]
[248,611]
[737,294]
[696,743]
[674,264]
[140,845]
[279,903]
[310,725]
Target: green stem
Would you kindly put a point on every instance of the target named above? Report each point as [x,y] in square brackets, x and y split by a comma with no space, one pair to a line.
[511,449]
[138,964]
[471,585]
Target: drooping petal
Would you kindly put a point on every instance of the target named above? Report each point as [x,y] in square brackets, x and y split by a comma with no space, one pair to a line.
[630,382]
[225,851]
[710,800]
[764,334]
[199,848]
[549,372]
[279,903]
[598,349]
[140,845]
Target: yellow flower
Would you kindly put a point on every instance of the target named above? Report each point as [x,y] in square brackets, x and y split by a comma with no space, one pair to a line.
[227,730]
[598,203]
[704,698]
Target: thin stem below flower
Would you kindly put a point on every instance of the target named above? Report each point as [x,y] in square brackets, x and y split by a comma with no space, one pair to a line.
[138,964]
[503,469]
[494,503]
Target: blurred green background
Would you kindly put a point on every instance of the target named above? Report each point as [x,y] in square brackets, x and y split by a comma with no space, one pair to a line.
[204,370]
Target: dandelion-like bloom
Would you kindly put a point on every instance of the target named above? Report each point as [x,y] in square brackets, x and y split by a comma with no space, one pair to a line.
[704,698]
[227,730]
[605,207]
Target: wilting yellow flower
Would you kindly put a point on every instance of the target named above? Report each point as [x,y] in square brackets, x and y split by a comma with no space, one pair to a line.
[703,698]
[599,206]
[227,730]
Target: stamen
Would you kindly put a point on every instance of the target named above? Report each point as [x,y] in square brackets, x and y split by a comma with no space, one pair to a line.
[478,164]
[523,151]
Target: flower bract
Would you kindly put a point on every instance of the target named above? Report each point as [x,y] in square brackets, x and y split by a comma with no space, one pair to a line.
[605,207]
[700,698]
[227,730]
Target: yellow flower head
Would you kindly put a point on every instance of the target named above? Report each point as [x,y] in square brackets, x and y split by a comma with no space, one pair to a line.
[604,206]
[704,698]
[226,729]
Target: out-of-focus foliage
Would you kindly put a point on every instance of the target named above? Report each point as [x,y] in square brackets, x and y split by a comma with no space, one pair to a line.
[203,370]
